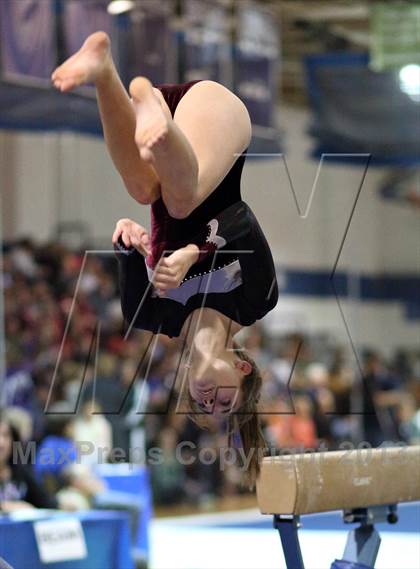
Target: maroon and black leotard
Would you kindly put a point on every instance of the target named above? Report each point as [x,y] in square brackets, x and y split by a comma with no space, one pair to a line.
[234,275]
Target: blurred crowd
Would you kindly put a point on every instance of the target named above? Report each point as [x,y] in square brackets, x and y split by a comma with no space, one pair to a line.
[68,352]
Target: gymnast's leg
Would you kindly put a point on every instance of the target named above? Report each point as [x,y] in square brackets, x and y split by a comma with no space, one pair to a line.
[193,152]
[93,64]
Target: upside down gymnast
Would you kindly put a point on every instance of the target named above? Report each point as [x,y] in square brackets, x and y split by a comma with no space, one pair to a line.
[206,269]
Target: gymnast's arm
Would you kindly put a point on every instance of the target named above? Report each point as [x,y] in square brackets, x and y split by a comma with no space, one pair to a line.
[226,227]
[229,225]
[129,235]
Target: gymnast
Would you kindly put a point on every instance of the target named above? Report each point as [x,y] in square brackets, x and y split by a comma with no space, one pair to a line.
[206,269]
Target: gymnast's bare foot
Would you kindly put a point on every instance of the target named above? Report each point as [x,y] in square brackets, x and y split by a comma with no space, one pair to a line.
[152,121]
[86,66]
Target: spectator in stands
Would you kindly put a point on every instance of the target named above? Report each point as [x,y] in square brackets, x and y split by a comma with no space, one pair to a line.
[20,421]
[58,463]
[302,424]
[409,420]
[277,431]
[341,384]
[23,258]
[108,391]
[91,427]
[19,488]
[380,396]
[168,475]
[323,415]
[18,384]
[134,409]
[290,423]
[75,483]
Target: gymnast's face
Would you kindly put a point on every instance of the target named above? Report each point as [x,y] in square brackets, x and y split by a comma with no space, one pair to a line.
[215,383]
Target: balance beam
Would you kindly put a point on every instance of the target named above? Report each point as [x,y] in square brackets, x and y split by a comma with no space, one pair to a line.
[367,484]
[337,480]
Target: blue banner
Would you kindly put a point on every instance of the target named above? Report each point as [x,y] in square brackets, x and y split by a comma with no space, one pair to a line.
[149,48]
[356,110]
[35,108]
[206,49]
[82,18]
[257,62]
[28,43]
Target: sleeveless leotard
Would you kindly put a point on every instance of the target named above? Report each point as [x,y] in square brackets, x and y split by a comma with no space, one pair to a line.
[235,275]
[168,233]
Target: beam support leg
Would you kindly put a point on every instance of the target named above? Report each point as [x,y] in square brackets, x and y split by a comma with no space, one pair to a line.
[363,542]
[287,527]
[362,546]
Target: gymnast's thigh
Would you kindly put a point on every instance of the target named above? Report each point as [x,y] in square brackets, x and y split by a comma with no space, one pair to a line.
[217,125]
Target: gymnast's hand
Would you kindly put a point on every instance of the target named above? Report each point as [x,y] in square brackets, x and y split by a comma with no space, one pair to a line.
[171,270]
[132,235]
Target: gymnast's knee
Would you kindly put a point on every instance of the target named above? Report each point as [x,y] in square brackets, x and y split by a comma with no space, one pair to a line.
[144,194]
[178,208]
